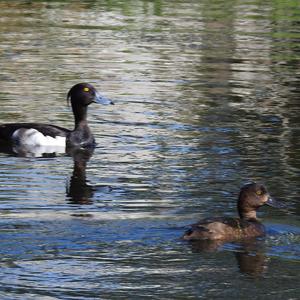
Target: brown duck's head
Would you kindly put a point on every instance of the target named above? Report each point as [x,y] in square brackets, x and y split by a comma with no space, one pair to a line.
[252,197]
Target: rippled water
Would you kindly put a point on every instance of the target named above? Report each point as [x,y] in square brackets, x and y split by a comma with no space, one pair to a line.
[207,98]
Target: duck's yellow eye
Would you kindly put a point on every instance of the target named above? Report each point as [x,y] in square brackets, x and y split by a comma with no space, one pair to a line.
[259,192]
[86,89]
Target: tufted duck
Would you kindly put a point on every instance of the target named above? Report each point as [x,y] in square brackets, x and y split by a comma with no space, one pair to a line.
[251,197]
[36,134]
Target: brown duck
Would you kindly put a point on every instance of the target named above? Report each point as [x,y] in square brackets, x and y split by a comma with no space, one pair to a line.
[252,196]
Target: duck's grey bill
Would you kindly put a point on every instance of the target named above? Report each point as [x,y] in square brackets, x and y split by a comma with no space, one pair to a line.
[275,203]
[102,100]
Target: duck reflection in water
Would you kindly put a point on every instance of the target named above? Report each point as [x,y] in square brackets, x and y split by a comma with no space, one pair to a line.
[79,191]
[250,254]
[251,258]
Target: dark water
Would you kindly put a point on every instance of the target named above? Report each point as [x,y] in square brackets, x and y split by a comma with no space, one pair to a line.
[207,98]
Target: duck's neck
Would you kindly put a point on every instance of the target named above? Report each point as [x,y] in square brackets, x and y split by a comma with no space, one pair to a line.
[245,209]
[247,215]
[81,135]
[80,116]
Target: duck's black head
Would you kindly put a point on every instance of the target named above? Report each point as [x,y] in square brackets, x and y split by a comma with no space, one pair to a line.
[83,94]
[252,196]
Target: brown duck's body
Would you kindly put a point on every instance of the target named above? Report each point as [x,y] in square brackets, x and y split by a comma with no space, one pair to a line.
[252,196]
[224,229]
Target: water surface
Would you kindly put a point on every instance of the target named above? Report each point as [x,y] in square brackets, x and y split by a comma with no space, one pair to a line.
[207,99]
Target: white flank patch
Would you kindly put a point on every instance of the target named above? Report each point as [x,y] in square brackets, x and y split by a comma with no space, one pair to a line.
[33,137]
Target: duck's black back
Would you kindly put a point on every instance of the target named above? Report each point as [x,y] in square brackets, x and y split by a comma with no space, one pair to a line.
[7,130]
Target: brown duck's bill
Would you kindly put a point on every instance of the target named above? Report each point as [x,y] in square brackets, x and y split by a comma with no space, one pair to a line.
[275,203]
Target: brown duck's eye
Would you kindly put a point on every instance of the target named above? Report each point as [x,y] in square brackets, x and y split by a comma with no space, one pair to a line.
[259,192]
[86,89]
